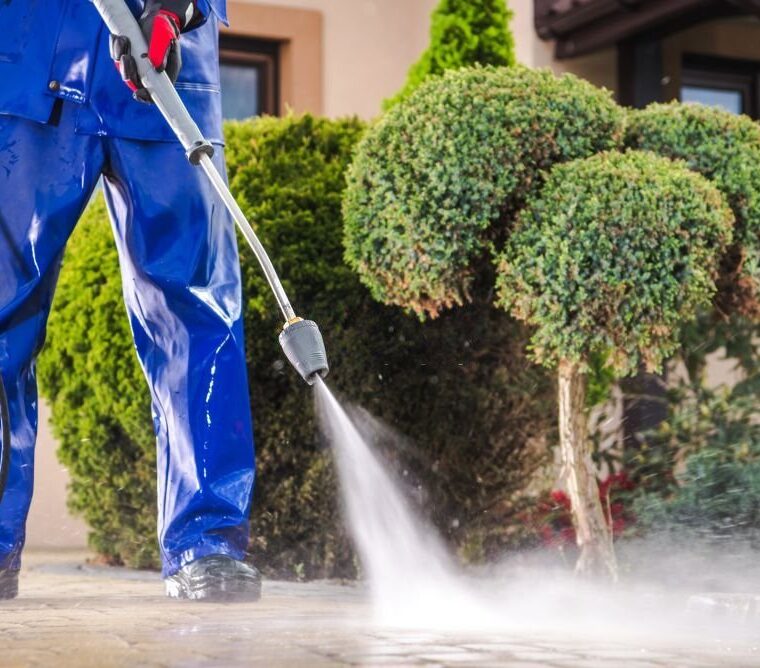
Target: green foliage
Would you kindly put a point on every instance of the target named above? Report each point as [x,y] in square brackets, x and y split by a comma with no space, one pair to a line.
[613,255]
[711,438]
[737,337]
[288,175]
[723,147]
[474,408]
[437,180]
[717,492]
[601,380]
[462,33]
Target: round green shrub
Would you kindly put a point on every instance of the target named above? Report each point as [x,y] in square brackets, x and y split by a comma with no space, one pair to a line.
[723,147]
[611,257]
[463,33]
[437,179]
[475,410]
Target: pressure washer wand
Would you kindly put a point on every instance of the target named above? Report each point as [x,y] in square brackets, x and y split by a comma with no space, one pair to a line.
[300,339]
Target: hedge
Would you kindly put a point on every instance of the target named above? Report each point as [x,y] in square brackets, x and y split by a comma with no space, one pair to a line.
[474,409]
[725,148]
[614,254]
[437,180]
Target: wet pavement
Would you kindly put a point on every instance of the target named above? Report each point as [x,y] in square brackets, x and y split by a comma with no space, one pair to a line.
[71,613]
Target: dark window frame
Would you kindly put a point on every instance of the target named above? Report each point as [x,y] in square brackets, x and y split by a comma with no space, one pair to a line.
[262,54]
[724,74]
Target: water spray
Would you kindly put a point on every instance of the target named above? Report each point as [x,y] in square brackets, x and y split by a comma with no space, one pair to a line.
[300,339]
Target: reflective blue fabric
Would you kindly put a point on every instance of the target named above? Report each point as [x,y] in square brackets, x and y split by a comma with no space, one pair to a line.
[181,279]
[58,49]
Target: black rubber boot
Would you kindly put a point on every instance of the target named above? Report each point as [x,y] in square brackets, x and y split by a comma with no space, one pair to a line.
[8,584]
[215,578]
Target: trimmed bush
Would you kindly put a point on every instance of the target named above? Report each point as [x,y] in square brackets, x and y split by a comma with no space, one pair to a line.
[474,408]
[726,149]
[438,179]
[611,258]
[463,33]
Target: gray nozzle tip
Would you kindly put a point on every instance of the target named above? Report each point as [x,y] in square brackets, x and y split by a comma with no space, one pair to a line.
[305,349]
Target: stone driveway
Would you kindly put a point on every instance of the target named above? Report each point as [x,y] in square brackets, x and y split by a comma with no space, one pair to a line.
[74,614]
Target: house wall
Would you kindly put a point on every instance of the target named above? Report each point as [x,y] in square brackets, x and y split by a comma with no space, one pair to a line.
[737,38]
[359,51]
[598,68]
[366,47]
[50,525]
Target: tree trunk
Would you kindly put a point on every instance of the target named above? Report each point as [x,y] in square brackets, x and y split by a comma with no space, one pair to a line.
[597,555]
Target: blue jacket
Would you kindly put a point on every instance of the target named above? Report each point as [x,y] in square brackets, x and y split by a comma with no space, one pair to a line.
[58,49]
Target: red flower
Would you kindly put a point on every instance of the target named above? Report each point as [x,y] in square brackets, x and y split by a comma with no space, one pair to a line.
[554,520]
[560,498]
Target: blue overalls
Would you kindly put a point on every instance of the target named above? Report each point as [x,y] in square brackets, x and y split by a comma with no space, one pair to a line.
[66,119]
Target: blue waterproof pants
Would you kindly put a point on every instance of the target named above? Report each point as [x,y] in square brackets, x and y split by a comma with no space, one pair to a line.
[181,281]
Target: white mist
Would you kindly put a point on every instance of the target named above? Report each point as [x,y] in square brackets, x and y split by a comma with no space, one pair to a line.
[414,582]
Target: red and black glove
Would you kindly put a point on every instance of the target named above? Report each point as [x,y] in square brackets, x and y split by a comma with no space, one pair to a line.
[162,22]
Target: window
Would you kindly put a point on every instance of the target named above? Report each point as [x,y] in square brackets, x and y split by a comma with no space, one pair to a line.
[730,100]
[733,85]
[249,77]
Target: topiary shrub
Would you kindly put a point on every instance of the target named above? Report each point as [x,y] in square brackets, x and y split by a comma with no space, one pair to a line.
[438,179]
[610,258]
[475,409]
[726,149]
[462,33]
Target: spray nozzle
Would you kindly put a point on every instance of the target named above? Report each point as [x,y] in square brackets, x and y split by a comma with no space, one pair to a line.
[302,343]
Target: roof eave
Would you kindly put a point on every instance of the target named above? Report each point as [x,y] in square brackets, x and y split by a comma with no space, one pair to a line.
[598,24]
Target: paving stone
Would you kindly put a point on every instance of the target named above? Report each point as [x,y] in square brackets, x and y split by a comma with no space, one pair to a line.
[73,614]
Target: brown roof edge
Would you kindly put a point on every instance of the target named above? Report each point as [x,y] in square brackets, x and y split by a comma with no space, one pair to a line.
[555,18]
[584,26]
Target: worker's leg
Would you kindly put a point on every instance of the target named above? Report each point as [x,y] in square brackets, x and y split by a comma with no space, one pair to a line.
[182,288]
[46,176]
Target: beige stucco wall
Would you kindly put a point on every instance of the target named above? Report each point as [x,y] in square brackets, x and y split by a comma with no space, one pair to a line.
[599,68]
[368,46]
[50,525]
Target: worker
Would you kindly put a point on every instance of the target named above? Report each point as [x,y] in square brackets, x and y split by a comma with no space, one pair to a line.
[66,120]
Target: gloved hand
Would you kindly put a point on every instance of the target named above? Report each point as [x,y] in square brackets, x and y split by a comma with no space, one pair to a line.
[161,22]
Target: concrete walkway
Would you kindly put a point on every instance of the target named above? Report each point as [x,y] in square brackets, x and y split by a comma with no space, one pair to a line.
[74,614]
